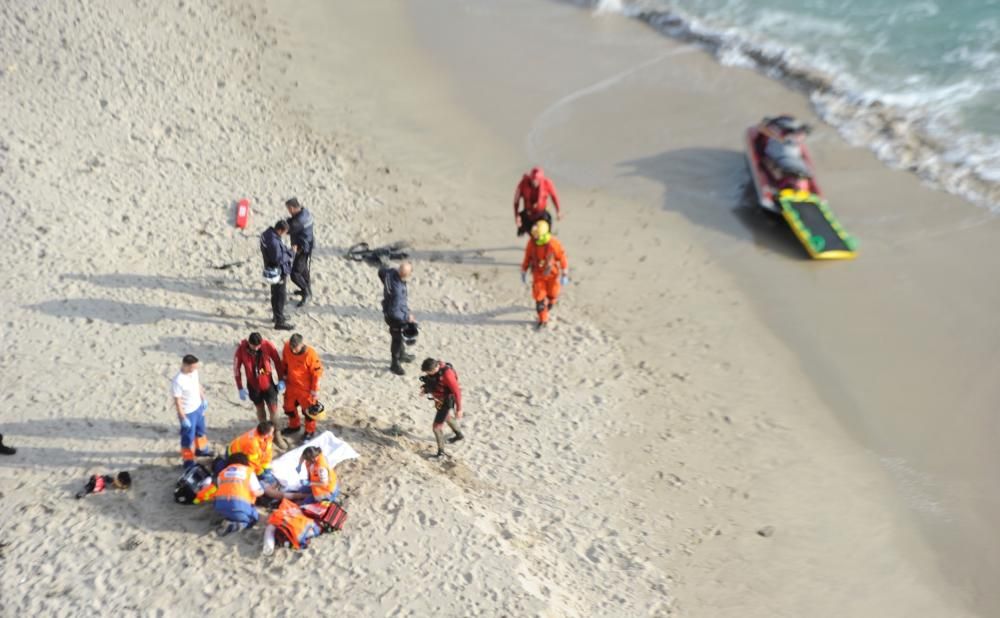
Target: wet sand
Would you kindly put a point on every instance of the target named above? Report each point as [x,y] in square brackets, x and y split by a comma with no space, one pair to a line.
[643,134]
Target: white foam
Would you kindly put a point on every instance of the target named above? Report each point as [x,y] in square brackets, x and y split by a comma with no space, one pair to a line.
[908,122]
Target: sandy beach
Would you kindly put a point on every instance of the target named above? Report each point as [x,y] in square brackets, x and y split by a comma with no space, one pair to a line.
[712,426]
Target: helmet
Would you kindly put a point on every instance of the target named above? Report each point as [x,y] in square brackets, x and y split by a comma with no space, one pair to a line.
[315,411]
[540,232]
[410,332]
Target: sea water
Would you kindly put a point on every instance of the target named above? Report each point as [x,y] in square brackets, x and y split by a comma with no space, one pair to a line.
[916,80]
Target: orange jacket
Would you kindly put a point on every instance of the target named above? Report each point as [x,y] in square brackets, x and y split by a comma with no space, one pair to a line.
[256,448]
[316,468]
[292,522]
[544,260]
[234,484]
[302,371]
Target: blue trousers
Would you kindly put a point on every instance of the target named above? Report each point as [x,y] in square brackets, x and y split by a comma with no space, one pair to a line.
[195,433]
[236,510]
[330,497]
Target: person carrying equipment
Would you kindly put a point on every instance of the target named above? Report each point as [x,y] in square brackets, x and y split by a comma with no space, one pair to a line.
[440,384]
[258,359]
[302,369]
[546,259]
[396,311]
[322,485]
[277,266]
[237,490]
[535,190]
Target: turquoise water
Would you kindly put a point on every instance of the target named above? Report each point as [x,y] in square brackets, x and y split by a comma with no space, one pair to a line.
[918,80]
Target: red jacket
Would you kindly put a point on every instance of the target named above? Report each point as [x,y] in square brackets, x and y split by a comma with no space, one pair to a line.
[447,384]
[535,198]
[258,367]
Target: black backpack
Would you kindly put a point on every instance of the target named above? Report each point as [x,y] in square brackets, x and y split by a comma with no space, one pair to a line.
[190,484]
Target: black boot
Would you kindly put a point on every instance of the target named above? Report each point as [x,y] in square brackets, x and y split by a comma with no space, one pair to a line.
[397,369]
[6,450]
[406,358]
[455,438]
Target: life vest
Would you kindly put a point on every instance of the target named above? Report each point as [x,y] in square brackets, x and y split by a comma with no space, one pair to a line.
[234,484]
[256,448]
[315,468]
[290,521]
[545,260]
[206,494]
[441,391]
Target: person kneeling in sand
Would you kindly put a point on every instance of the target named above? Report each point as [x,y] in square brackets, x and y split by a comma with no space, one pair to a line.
[238,489]
[322,485]
[256,445]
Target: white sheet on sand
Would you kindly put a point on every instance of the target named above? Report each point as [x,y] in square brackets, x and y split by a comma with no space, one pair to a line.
[335,449]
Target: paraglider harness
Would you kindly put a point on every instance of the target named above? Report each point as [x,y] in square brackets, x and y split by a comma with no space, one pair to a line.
[530,218]
[378,256]
[430,388]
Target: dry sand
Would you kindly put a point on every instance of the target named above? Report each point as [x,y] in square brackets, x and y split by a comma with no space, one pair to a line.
[622,463]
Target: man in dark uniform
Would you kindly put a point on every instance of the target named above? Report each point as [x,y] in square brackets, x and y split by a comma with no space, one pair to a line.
[300,228]
[277,266]
[396,310]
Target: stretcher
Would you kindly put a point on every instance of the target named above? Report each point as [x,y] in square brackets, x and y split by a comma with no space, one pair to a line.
[816,227]
[286,468]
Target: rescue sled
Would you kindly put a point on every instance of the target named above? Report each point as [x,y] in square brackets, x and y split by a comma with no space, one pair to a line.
[791,191]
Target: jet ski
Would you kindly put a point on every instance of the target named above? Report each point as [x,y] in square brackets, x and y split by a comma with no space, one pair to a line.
[785,182]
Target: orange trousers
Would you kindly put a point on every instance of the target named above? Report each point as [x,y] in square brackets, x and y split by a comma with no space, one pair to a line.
[545,291]
[294,400]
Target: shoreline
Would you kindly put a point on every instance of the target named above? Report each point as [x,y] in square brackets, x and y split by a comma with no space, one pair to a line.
[627,469]
[487,173]
[900,326]
[901,138]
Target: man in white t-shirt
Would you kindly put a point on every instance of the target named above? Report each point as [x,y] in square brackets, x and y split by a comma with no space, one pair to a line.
[190,402]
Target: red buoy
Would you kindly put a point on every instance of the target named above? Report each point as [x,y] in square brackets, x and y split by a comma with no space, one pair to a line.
[243,213]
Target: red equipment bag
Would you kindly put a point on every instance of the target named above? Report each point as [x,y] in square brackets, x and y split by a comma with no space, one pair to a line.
[329,515]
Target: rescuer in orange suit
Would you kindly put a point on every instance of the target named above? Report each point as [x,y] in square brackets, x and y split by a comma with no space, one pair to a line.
[535,190]
[546,259]
[302,369]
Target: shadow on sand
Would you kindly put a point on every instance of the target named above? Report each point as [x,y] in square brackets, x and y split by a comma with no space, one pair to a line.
[712,188]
